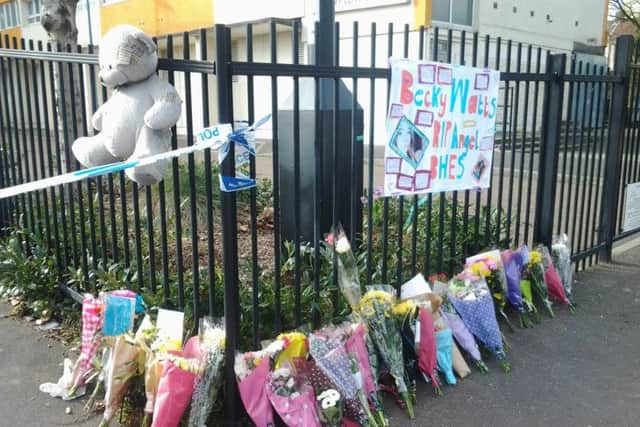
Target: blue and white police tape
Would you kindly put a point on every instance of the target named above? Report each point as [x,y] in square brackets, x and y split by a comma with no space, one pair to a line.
[215,137]
[243,140]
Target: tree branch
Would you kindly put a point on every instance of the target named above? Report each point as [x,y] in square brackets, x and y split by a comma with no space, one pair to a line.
[627,11]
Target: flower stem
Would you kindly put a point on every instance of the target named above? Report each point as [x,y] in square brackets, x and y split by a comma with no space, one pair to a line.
[409,406]
[92,400]
[367,410]
[507,321]
[525,322]
[547,304]
[506,367]
[482,367]
[505,344]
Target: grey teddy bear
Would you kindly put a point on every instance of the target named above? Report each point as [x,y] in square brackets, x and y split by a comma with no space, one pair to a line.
[136,121]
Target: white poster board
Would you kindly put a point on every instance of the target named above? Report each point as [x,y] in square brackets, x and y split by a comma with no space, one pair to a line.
[632,207]
[440,127]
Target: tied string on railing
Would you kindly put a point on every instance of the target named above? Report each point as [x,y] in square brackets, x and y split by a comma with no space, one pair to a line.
[216,138]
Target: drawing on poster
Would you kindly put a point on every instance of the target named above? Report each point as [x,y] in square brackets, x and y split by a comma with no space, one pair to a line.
[440,127]
[408,142]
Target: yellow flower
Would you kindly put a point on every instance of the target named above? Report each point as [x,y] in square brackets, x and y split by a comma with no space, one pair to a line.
[403,308]
[535,258]
[379,296]
[480,269]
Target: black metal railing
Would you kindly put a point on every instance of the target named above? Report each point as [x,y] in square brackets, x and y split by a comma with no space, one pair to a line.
[566,147]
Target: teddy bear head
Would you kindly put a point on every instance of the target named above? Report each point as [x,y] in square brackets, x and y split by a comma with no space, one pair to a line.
[127,55]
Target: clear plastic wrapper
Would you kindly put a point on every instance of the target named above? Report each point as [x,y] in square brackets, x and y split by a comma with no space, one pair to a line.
[561,253]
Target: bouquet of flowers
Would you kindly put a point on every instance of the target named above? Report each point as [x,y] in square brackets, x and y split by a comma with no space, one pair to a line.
[427,349]
[348,276]
[294,345]
[293,399]
[356,345]
[122,365]
[252,373]
[444,346]
[534,275]
[513,263]
[330,402]
[175,389]
[553,280]
[375,309]
[472,300]
[522,259]
[406,314]
[561,253]
[92,318]
[488,266]
[153,366]
[461,334]
[332,358]
[212,342]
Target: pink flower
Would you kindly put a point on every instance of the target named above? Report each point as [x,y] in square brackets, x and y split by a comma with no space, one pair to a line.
[466,274]
[492,264]
[329,239]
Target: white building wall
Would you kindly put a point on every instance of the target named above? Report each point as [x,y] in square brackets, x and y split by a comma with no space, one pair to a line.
[34,32]
[554,24]
[84,20]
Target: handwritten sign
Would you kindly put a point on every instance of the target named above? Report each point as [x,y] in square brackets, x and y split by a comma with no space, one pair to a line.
[632,207]
[440,127]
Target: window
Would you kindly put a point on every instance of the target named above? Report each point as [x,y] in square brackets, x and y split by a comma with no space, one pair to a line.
[9,15]
[456,12]
[35,6]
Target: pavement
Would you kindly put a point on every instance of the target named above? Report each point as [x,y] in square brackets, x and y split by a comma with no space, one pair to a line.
[27,359]
[574,370]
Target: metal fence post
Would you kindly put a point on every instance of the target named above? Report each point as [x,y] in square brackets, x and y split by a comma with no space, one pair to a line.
[4,220]
[229,228]
[549,148]
[617,122]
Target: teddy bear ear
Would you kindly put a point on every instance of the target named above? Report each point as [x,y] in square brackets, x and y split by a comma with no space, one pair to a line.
[146,41]
[136,46]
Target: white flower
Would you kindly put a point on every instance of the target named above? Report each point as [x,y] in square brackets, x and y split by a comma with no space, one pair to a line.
[282,373]
[470,297]
[290,383]
[275,347]
[343,245]
[240,367]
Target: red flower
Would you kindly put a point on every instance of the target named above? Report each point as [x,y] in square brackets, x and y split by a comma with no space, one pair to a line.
[286,341]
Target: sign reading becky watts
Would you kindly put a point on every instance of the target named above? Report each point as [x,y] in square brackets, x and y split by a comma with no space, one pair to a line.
[440,127]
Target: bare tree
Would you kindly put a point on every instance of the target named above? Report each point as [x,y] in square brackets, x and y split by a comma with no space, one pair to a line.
[621,11]
[58,18]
